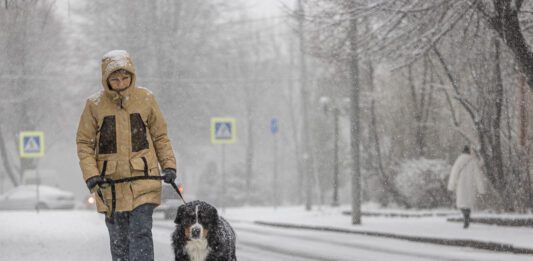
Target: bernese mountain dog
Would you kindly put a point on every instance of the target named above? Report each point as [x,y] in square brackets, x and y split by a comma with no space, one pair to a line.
[201,234]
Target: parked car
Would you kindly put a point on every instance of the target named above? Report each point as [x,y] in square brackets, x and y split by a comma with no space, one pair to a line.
[25,197]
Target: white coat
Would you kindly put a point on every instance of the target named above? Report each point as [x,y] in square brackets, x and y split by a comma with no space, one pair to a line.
[467,180]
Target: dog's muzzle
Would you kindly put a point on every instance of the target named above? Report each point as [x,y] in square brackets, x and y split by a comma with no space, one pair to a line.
[196,231]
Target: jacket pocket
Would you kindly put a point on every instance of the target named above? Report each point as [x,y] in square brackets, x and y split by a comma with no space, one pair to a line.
[138,133]
[107,139]
[145,166]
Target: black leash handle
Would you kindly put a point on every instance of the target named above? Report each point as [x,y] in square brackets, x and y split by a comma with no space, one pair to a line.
[112,183]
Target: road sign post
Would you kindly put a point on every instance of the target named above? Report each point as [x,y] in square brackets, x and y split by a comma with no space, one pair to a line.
[31,145]
[274,128]
[223,131]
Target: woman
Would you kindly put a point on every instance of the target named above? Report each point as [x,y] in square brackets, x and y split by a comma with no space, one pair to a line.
[122,134]
[466,179]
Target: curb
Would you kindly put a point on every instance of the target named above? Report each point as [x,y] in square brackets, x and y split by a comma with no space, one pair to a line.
[492,246]
[401,215]
[524,222]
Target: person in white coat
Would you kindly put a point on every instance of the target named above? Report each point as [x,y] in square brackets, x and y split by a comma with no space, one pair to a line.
[466,179]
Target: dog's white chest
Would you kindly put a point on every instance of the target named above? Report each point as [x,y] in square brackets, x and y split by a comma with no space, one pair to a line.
[197,249]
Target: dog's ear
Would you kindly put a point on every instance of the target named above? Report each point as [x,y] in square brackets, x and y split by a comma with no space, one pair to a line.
[214,212]
[213,215]
[180,214]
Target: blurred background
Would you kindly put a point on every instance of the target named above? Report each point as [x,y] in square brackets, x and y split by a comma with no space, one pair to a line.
[426,87]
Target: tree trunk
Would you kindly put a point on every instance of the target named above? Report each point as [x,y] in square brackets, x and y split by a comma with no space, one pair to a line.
[522,111]
[294,125]
[5,159]
[422,103]
[489,131]
[419,139]
[496,144]
[354,121]
[507,25]
[249,145]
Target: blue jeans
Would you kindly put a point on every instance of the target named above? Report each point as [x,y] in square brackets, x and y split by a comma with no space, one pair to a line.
[130,234]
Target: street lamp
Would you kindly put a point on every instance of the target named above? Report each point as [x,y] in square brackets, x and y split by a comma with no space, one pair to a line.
[335,107]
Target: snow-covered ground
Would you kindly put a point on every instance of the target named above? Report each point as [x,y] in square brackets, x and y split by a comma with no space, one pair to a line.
[62,236]
[433,226]
[320,245]
[82,235]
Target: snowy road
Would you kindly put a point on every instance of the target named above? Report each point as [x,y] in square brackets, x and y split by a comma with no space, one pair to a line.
[82,236]
[259,243]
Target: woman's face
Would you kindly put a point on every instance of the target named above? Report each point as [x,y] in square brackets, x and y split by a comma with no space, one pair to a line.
[119,81]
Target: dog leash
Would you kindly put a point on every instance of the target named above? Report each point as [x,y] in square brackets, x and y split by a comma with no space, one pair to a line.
[113,182]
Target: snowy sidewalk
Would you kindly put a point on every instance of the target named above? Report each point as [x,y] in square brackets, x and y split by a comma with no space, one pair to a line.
[424,229]
[63,236]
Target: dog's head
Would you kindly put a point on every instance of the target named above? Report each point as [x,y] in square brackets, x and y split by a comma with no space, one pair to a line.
[196,218]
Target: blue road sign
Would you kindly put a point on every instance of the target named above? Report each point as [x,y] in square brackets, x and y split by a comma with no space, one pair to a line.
[274,125]
[223,130]
[31,144]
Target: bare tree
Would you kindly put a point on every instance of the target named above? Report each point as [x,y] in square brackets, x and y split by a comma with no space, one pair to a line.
[422,98]
[386,178]
[30,65]
[485,114]
[447,40]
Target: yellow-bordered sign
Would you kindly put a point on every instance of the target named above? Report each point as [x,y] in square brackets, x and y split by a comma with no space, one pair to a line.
[31,144]
[223,130]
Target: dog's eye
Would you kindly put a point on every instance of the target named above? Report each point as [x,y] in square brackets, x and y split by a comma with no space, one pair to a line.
[204,219]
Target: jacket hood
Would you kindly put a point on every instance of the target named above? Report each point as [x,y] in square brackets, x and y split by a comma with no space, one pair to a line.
[116,60]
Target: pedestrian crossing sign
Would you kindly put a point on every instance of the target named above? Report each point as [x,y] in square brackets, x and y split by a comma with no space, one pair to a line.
[31,144]
[223,130]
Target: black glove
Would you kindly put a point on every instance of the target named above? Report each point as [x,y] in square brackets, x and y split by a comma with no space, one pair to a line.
[93,181]
[169,175]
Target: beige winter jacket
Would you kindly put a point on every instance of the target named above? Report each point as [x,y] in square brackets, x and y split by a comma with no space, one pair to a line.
[123,134]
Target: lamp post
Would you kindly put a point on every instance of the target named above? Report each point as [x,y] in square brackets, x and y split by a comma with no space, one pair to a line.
[335,108]
[307,159]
